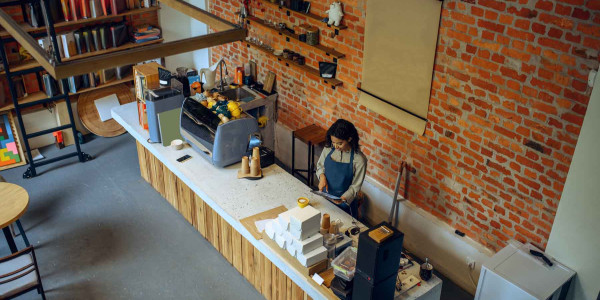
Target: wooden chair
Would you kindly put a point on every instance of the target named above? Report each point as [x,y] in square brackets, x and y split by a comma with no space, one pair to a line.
[19,274]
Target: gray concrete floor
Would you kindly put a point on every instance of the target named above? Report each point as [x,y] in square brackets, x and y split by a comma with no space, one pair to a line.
[101,232]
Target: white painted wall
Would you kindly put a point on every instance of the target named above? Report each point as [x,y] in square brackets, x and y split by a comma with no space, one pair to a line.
[176,26]
[574,239]
[424,234]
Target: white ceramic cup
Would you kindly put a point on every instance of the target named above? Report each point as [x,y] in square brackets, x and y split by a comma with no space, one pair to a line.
[177,144]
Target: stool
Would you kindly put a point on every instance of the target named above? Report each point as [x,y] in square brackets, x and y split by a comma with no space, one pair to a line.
[311,135]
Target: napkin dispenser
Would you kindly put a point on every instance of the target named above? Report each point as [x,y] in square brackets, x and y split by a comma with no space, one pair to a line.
[222,144]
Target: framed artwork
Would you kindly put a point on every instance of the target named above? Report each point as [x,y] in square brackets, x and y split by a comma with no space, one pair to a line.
[11,151]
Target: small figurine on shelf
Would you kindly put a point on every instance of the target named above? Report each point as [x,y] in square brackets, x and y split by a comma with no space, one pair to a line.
[335,14]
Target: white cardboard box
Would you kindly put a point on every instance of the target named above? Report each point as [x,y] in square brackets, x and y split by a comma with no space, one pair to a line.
[309,244]
[312,257]
[284,218]
[305,219]
[302,235]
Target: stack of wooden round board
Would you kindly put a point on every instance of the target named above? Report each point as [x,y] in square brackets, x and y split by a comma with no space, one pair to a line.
[89,114]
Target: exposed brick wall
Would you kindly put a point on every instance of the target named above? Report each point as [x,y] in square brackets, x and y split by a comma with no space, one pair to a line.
[507,103]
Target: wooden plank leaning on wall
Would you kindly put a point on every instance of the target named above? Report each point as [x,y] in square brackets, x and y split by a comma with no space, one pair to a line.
[269,280]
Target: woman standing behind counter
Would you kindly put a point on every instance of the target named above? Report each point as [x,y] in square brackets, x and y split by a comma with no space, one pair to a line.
[341,167]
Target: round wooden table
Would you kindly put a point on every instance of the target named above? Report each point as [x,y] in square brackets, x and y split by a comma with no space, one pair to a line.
[13,204]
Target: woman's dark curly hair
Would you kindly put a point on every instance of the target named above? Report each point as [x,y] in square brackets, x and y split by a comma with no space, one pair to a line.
[343,130]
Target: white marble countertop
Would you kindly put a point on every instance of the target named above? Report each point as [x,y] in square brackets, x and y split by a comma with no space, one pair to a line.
[233,198]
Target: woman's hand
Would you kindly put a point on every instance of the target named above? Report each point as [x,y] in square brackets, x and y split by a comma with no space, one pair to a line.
[323,183]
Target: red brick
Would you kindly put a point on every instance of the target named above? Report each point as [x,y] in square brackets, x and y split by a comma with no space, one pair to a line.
[573,38]
[523,12]
[538,28]
[497,5]
[560,22]
[490,25]
[575,119]
[555,33]
[562,9]
[581,14]
[591,43]
[484,85]
[545,5]
[593,4]
[555,44]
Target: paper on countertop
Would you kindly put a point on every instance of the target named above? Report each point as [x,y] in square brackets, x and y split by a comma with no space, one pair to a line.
[105,104]
[261,224]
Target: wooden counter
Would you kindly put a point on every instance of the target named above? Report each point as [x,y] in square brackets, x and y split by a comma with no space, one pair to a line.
[213,200]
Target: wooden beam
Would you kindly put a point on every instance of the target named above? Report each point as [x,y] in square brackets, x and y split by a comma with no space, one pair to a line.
[135,55]
[26,41]
[199,14]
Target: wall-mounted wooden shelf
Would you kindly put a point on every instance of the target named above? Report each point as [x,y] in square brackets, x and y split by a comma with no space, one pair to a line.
[288,62]
[32,63]
[308,15]
[58,25]
[41,95]
[328,51]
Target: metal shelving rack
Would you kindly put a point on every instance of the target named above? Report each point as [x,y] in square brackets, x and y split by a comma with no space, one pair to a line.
[83,157]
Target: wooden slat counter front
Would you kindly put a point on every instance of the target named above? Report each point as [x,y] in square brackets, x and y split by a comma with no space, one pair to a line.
[213,200]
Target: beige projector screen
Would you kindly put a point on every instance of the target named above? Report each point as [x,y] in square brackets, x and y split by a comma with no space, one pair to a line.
[400,44]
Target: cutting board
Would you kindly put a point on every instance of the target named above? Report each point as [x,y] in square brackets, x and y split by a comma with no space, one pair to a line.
[248,222]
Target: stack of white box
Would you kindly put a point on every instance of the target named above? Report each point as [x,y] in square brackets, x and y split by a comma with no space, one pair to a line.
[297,231]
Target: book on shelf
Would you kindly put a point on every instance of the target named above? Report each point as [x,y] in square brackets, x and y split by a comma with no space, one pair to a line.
[74,84]
[85,81]
[84,5]
[79,42]
[69,45]
[31,83]
[119,34]
[95,79]
[105,37]
[66,10]
[106,9]
[50,86]
[34,14]
[96,38]
[96,8]
[131,4]
[59,43]
[89,42]
[74,8]
[123,71]
[117,6]
[107,75]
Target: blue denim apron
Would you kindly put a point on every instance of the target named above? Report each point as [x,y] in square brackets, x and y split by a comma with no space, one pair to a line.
[339,178]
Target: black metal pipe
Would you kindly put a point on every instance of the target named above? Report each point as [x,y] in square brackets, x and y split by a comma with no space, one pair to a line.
[13,93]
[42,101]
[51,130]
[70,110]
[55,159]
[50,24]
[23,72]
